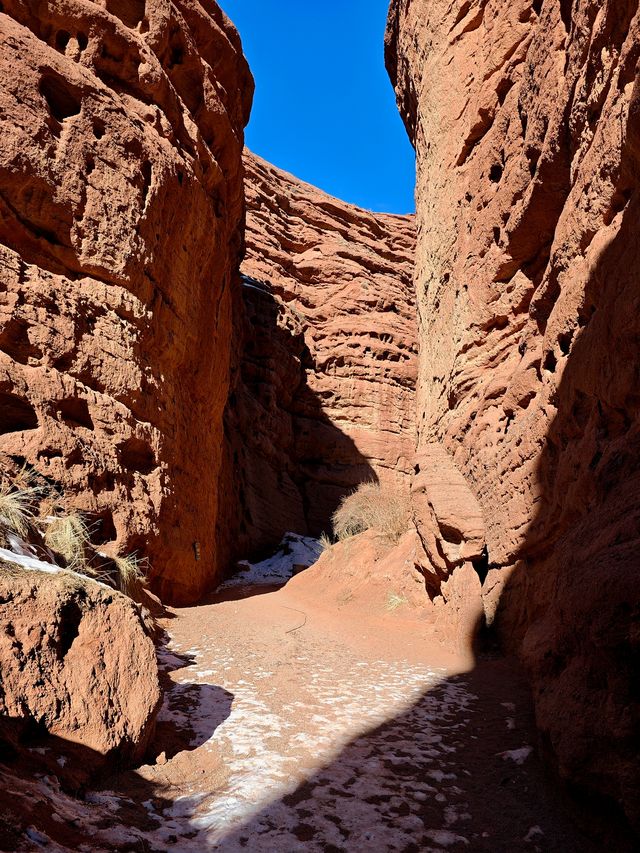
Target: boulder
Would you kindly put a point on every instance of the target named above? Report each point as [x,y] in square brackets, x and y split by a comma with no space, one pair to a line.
[77,663]
[447,515]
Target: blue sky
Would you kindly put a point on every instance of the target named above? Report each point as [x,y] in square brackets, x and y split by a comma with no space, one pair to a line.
[324,108]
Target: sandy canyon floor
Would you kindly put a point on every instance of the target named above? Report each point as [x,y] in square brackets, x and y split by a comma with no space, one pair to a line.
[290,728]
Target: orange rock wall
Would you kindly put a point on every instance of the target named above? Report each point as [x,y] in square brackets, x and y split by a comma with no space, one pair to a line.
[324,392]
[525,117]
[121,203]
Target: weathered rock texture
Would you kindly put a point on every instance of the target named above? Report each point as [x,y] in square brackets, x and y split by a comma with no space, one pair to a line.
[120,228]
[526,121]
[324,393]
[447,515]
[76,663]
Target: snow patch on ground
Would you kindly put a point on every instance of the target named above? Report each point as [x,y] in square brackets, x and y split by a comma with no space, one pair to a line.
[517,755]
[294,553]
[311,760]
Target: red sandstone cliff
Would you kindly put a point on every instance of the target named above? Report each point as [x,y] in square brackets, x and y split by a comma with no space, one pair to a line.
[121,206]
[525,117]
[324,393]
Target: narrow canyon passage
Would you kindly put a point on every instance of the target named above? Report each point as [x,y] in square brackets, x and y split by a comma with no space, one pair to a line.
[288,727]
[202,356]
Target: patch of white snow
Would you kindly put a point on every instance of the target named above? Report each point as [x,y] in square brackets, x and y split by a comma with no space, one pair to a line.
[294,553]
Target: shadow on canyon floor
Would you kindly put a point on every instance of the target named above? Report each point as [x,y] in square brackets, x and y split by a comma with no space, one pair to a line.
[191,712]
[47,793]
[456,770]
[571,602]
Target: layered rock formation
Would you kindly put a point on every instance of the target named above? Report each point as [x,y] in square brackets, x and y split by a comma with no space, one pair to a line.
[77,664]
[324,391]
[120,230]
[526,121]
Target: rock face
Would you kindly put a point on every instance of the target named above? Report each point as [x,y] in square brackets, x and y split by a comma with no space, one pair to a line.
[526,121]
[120,229]
[324,391]
[446,513]
[76,663]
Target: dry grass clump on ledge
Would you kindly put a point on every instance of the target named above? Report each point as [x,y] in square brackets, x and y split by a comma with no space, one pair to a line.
[16,510]
[35,515]
[130,579]
[68,536]
[372,507]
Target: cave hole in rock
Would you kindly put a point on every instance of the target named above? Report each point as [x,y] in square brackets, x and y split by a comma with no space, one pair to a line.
[62,40]
[16,414]
[495,173]
[101,527]
[147,175]
[503,89]
[62,101]
[83,41]
[564,342]
[69,621]
[136,454]
[565,13]
[49,453]
[550,361]
[98,128]
[451,535]
[74,411]
[481,565]
[14,340]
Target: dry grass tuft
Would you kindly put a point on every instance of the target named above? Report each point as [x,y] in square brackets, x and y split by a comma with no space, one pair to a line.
[325,541]
[130,578]
[371,506]
[68,536]
[16,513]
[394,601]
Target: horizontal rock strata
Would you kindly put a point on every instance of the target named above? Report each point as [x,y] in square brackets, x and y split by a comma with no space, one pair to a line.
[324,393]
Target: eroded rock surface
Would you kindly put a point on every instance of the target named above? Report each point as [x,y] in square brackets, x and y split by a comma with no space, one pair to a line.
[447,514]
[526,121]
[77,664]
[120,229]
[324,394]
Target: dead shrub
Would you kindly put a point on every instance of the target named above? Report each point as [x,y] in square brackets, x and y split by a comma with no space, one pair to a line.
[372,506]
[325,541]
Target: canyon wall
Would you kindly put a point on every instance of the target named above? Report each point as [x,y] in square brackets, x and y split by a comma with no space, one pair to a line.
[121,204]
[323,394]
[525,116]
